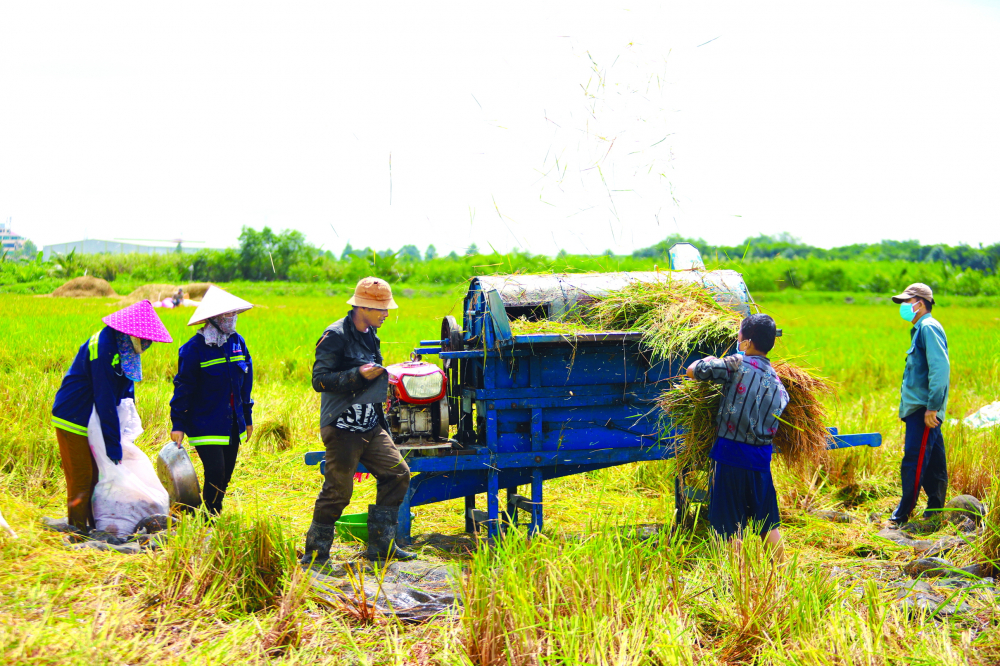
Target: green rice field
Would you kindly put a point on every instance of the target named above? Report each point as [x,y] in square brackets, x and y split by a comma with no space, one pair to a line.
[587,591]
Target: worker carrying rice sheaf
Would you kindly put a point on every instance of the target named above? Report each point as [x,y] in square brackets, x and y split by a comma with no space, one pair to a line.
[742,494]
[923,399]
[348,373]
[101,383]
[213,403]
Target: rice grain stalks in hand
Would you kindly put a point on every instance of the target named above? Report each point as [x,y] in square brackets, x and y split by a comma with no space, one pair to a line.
[802,438]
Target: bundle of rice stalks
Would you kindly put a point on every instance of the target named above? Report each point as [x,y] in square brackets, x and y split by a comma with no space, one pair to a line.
[674,317]
[802,437]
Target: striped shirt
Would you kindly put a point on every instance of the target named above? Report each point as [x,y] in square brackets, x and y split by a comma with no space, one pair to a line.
[753,397]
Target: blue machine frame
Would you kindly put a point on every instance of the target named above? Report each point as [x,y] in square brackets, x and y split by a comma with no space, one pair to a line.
[537,407]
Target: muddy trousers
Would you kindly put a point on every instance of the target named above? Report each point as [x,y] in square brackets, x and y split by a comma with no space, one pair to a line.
[344,450]
[924,466]
[219,461]
[80,470]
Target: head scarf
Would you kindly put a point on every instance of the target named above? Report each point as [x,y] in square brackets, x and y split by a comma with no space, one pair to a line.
[131,361]
[218,329]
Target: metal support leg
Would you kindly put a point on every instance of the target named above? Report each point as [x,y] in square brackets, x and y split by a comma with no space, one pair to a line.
[510,513]
[470,505]
[536,498]
[493,503]
[404,523]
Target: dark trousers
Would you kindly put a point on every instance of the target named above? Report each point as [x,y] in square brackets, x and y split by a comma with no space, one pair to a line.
[80,470]
[219,461]
[924,466]
[344,450]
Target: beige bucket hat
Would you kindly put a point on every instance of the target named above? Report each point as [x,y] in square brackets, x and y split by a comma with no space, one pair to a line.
[915,290]
[371,292]
[218,302]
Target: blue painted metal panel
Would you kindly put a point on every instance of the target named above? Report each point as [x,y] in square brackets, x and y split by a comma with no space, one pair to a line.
[872,439]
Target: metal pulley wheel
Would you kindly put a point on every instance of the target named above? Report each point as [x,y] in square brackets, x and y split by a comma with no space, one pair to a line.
[452,339]
[451,335]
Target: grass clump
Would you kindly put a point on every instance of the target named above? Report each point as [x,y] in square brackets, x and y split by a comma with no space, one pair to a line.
[232,565]
[606,599]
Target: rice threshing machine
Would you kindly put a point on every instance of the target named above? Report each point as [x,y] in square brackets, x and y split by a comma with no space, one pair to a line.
[529,408]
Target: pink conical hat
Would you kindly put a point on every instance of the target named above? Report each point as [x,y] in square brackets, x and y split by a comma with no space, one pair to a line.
[139,320]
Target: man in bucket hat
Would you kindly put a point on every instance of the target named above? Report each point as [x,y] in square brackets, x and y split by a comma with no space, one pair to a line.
[348,373]
[923,399]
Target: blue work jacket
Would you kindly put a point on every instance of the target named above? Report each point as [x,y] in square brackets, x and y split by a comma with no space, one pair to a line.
[212,390]
[927,372]
[95,380]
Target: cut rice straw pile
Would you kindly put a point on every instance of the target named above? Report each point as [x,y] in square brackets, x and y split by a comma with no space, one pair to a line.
[674,317]
[802,438]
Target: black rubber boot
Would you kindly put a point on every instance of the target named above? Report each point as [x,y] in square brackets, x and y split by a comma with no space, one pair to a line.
[319,538]
[382,535]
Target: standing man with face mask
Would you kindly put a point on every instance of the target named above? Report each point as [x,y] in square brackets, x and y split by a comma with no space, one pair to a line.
[923,398]
[348,373]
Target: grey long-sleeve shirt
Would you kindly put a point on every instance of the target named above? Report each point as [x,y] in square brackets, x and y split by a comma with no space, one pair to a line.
[753,397]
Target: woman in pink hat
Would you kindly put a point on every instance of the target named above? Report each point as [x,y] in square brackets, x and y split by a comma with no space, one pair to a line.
[103,374]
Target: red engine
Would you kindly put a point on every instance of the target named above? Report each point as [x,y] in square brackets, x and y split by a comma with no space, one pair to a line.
[417,406]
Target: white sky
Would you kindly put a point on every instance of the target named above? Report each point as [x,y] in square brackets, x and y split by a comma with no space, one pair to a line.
[839,122]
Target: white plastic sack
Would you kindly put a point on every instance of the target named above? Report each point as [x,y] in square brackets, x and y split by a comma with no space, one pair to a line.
[986,417]
[129,492]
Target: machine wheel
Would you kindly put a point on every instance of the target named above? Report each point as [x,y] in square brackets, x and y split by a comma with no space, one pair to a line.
[451,335]
[439,419]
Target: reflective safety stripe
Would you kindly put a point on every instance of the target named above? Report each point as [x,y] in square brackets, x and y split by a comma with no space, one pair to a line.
[92,346]
[208,440]
[216,361]
[243,436]
[74,428]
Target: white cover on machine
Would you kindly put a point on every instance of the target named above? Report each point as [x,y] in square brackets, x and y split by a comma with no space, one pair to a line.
[129,492]
[216,302]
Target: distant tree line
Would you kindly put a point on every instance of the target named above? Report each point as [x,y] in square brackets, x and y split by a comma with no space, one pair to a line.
[767,264]
[786,246]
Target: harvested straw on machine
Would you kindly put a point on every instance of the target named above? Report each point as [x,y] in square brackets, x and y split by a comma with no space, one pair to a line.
[676,319]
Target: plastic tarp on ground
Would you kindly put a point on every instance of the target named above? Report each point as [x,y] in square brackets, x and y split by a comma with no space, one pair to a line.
[986,417]
[413,591]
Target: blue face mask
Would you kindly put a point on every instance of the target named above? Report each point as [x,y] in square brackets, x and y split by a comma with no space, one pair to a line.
[906,311]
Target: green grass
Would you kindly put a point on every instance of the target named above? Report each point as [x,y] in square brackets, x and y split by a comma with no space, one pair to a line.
[581,594]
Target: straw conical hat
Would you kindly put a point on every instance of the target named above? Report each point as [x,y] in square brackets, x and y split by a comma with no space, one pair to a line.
[217,302]
[139,320]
